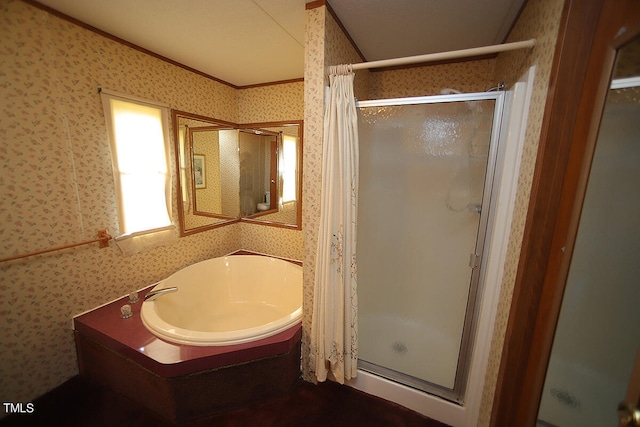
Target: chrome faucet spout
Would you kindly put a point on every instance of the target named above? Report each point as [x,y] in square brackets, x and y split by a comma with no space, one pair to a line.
[158,292]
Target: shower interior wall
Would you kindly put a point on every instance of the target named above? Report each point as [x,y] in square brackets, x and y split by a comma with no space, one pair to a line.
[57,184]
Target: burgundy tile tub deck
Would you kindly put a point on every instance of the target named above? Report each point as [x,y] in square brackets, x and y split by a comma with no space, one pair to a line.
[182,382]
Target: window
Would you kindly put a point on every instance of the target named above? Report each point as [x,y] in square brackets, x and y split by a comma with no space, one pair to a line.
[182,144]
[289,169]
[138,139]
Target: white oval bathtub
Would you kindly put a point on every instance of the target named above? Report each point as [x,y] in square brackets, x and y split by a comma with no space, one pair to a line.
[228,300]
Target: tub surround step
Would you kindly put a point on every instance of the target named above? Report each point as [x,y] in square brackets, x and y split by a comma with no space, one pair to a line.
[181,382]
[130,338]
[193,396]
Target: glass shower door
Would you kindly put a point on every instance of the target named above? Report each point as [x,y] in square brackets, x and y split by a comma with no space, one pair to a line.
[421,225]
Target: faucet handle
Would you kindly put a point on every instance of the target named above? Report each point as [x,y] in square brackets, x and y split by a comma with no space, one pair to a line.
[125,311]
[133,297]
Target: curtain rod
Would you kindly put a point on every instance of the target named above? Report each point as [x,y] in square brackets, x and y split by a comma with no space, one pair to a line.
[464,53]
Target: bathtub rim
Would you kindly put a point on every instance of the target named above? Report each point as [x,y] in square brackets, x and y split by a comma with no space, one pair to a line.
[168,332]
[198,338]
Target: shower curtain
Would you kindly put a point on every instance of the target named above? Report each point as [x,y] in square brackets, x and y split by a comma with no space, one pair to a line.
[334,331]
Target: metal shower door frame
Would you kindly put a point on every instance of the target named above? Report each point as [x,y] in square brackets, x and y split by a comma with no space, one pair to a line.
[492,179]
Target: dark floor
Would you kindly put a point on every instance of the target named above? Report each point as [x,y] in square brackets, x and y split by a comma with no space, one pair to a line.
[77,403]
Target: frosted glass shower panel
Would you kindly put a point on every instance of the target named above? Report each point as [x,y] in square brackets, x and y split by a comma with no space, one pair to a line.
[422,174]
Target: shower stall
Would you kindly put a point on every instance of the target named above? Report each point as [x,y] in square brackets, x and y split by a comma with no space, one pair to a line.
[426,205]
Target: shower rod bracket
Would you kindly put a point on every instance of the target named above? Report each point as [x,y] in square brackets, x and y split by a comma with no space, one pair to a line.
[498,88]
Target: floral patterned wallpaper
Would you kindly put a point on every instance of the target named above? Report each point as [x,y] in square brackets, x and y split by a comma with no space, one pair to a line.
[471,76]
[230,172]
[255,104]
[56,185]
[314,83]
[209,197]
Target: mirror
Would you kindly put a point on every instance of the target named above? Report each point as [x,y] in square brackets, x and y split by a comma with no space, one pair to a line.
[601,281]
[270,173]
[229,172]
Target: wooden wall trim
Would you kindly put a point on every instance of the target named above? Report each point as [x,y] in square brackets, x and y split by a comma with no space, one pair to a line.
[346,33]
[98,31]
[315,4]
[279,82]
[578,86]
[110,36]
[320,3]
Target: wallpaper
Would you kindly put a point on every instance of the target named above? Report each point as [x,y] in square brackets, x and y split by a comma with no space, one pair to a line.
[256,105]
[471,76]
[286,214]
[56,185]
[206,144]
[312,163]
[230,172]
[283,242]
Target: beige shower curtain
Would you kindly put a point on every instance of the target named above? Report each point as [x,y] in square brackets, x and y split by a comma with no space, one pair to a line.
[334,331]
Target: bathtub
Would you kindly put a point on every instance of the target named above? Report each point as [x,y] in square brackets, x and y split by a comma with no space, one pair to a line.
[228,300]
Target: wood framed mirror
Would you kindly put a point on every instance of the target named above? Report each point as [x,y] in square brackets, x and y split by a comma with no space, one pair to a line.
[228,173]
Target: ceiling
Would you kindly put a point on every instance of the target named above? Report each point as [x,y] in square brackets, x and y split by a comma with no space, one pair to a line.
[246,42]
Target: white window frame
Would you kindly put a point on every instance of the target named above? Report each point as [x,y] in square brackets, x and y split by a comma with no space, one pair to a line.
[107,96]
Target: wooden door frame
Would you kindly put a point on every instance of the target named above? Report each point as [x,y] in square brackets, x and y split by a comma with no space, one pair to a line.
[579,81]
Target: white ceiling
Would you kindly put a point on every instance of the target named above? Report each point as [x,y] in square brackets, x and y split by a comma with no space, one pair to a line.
[385,29]
[247,42]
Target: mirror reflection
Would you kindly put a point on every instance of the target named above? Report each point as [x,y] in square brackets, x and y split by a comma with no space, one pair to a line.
[214,171]
[231,173]
[603,263]
[269,178]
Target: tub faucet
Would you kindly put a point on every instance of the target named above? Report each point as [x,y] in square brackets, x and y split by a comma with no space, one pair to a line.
[155,294]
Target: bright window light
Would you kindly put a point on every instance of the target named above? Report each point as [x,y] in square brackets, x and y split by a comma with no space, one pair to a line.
[289,170]
[182,138]
[139,152]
